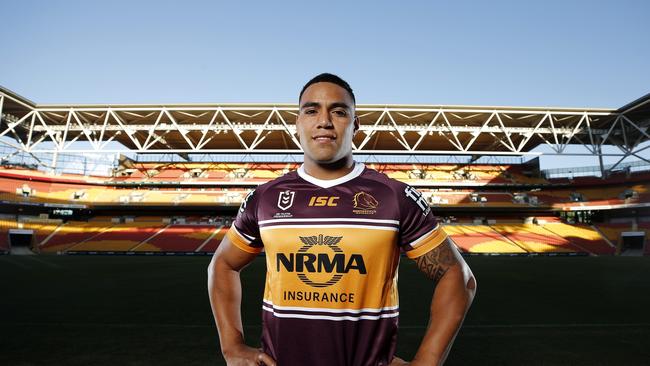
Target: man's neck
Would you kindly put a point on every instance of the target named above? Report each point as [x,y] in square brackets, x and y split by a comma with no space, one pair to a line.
[329,171]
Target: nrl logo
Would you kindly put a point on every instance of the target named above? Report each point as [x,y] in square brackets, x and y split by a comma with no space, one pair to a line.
[285,200]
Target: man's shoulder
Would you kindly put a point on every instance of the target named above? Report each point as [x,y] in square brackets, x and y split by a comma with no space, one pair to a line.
[382,178]
[287,178]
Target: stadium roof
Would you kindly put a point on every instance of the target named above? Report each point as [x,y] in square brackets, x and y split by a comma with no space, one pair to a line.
[268,127]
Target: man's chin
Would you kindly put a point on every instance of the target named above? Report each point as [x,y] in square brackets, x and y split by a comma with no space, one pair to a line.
[329,160]
[325,161]
[324,157]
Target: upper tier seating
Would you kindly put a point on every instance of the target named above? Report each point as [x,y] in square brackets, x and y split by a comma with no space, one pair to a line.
[415,174]
[17,186]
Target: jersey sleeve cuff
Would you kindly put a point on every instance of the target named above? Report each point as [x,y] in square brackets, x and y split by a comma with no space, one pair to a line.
[428,242]
[241,242]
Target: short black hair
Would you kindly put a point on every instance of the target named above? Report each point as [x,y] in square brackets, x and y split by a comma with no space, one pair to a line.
[328,78]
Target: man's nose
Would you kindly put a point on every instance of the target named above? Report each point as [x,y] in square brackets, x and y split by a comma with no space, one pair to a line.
[324,120]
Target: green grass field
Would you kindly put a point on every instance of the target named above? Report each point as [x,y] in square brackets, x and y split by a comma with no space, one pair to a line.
[136,310]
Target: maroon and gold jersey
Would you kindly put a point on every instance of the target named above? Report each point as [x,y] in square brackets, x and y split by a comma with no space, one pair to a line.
[332,250]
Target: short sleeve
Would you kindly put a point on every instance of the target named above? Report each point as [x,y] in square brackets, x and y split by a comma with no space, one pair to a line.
[420,231]
[245,232]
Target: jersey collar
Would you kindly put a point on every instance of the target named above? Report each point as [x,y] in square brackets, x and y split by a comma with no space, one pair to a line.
[327,183]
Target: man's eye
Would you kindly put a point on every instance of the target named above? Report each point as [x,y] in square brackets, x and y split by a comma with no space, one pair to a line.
[340,113]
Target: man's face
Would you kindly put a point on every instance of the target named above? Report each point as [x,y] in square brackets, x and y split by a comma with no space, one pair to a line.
[326,123]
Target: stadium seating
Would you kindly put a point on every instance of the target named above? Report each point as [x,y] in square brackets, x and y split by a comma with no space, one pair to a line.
[480,239]
[534,238]
[488,191]
[553,236]
[122,237]
[613,231]
[144,234]
[178,238]
[415,174]
[214,242]
[90,191]
[73,233]
[5,225]
[42,229]
[583,237]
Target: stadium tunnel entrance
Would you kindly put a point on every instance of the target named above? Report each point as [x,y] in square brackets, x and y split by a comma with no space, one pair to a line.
[633,243]
[20,241]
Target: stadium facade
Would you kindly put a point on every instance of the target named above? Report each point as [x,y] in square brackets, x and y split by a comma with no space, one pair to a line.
[181,170]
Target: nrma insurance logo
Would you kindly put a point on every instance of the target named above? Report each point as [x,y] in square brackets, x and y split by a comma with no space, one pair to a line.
[320,262]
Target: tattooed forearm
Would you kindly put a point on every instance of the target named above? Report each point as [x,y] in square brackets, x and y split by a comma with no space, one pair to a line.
[436,263]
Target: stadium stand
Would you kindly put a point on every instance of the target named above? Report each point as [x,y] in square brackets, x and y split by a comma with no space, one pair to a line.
[481,239]
[536,239]
[582,236]
[20,185]
[211,245]
[552,237]
[121,237]
[141,234]
[158,196]
[178,238]
[5,225]
[415,174]
[42,229]
[73,233]
[479,190]
[613,231]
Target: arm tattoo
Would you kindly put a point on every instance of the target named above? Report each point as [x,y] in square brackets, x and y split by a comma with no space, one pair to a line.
[435,263]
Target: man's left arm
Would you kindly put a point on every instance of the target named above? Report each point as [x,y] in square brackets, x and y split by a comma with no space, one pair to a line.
[455,287]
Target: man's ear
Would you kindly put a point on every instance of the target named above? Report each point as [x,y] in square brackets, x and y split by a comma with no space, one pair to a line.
[357,125]
[297,132]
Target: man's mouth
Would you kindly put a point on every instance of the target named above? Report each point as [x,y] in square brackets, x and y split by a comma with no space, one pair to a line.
[324,138]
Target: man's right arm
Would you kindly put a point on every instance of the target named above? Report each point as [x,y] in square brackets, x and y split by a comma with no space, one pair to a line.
[224,288]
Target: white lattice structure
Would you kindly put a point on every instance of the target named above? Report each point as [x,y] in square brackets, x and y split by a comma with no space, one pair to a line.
[268,128]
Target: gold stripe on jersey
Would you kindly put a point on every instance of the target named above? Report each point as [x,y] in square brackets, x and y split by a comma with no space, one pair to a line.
[241,242]
[357,265]
[428,242]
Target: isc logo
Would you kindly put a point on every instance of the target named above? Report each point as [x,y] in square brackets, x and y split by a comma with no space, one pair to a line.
[323,201]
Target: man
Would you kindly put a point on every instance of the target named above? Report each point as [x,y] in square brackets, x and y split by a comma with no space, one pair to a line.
[333,232]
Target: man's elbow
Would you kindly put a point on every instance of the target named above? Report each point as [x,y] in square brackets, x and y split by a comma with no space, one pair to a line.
[465,283]
[470,287]
[213,268]
[461,284]
[211,277]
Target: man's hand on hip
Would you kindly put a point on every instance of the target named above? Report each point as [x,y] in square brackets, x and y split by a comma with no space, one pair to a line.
[243,355]
[398,362]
